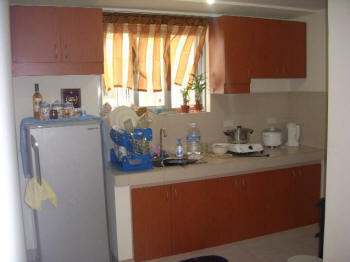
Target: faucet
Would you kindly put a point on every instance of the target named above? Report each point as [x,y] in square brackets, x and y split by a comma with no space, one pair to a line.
[162,133]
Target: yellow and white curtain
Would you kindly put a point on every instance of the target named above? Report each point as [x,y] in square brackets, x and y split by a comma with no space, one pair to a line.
[150,57]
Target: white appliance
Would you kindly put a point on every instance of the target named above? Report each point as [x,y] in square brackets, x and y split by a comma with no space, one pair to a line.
[68,155]
[272,137]
[293,134]
[245,148]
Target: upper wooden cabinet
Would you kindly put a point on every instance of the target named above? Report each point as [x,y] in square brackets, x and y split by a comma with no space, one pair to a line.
[242,48]
[230,43]
[56,40]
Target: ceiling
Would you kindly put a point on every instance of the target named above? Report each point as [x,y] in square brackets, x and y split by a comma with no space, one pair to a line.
[283,9]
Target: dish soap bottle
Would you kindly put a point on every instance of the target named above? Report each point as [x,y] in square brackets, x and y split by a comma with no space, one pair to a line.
[179,149]
[37,99]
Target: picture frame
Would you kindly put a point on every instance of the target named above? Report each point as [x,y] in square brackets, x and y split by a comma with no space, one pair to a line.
[71,96]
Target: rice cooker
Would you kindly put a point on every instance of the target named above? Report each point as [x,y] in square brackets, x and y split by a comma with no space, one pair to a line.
[272,137]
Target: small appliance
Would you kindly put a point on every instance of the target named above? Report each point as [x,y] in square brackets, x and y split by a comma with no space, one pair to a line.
[251,150]
[239,135]
[293,134]
[272,137]
[245,148]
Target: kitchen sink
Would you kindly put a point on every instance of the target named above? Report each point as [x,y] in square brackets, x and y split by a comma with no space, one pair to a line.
[172,161]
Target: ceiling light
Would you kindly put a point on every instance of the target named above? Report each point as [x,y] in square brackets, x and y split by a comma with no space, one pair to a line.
[210,2]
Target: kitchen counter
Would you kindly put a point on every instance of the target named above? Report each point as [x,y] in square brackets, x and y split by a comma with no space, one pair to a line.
[217,166]
[220,166]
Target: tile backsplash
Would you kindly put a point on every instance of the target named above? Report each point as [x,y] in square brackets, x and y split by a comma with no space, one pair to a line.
[254,111]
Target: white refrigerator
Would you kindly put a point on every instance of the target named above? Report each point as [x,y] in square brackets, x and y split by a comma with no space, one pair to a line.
[69,156]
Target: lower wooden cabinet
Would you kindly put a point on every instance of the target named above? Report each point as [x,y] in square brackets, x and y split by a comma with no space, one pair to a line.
[188,216]
[178,218]
[220,218]
[151,222]
[307,195]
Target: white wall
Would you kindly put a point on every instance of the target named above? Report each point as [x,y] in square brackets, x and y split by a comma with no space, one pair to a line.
[50,86]
[12,247]
[269,85]
[337,230]
[316,51]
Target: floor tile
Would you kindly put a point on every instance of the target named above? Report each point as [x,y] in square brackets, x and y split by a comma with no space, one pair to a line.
[276,247]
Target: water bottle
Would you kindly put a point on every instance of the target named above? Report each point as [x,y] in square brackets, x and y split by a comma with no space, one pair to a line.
[193,140]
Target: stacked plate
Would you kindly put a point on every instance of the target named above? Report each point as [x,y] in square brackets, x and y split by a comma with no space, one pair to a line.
[122,117]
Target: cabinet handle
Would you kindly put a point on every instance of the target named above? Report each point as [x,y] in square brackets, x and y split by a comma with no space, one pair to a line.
[283,69]
[176,195]
[166,194]
[248,72]
[294,176]
[299,172]
[65,51]
[243,182]
[56,51]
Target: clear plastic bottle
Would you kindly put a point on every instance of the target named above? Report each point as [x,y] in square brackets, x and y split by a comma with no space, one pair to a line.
[193,140]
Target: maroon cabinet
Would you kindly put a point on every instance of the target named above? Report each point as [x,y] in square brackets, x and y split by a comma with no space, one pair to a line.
[187,216]
[242,48]
[151,222]
[56,40]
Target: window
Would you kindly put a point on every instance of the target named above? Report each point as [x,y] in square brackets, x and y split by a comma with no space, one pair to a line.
[149,64]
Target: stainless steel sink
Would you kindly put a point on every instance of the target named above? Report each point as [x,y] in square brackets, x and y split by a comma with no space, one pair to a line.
[172,161]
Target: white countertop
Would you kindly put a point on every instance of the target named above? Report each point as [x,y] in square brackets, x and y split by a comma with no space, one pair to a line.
[282,157]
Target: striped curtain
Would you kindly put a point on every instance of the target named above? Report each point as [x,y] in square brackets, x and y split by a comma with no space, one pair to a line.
[150,57]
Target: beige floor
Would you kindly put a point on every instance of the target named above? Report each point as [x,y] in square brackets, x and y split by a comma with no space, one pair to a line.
[270,248]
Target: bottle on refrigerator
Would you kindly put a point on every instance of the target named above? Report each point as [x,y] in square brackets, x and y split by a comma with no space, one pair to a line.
[193,140]
[37,100]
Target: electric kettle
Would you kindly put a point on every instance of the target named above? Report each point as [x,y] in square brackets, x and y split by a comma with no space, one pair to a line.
[293,134]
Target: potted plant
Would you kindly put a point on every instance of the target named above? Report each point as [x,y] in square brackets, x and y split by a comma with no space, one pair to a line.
[198,85]
[185,108]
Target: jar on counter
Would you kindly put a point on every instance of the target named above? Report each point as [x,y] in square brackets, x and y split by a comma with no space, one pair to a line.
[44,111]
[68,110]
[59,108]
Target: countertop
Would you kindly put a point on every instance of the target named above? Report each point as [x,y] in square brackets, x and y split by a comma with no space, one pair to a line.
[220,166]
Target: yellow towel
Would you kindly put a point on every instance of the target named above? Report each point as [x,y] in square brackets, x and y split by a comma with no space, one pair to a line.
[35,193]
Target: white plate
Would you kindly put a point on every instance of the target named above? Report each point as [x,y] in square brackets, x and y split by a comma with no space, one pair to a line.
[121,114]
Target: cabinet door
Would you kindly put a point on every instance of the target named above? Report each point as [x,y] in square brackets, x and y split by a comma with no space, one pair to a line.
[189,215]
[265,50]
[308,194]
[219,211]
[293,49]
[81,34]
[257,186]
[243,222]
[238,42]
[281,198]
[34,34]
[229,55]
[151,222]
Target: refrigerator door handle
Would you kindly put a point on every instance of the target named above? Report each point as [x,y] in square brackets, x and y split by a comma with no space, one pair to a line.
[35,146]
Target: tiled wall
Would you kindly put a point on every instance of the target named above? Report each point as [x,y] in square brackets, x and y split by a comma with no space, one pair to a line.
[309,109]
[251,110]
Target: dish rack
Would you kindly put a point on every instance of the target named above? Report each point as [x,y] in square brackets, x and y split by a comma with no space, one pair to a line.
[131,150]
